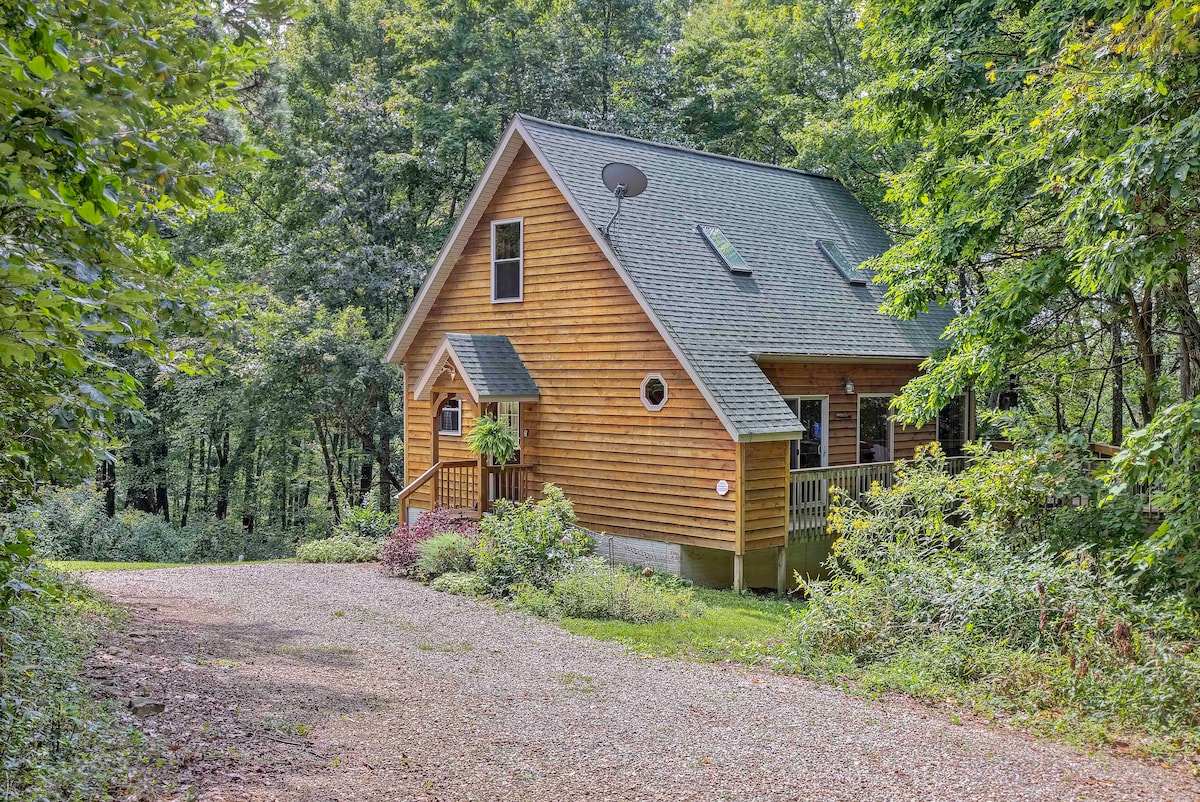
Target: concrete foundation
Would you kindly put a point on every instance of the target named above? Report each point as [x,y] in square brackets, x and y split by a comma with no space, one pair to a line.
[713,568]
[414,513]
[708,568]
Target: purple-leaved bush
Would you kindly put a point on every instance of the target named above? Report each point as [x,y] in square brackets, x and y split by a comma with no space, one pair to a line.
[400,551]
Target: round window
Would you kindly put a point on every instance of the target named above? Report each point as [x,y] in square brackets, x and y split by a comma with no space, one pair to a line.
[654,392]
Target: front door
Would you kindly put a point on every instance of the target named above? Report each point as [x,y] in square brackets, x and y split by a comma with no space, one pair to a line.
[500,486]
[810,450]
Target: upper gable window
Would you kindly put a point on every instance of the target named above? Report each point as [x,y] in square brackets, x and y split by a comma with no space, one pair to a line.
[508,263]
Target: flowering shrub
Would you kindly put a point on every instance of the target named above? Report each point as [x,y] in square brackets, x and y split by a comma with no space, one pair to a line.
[400,550]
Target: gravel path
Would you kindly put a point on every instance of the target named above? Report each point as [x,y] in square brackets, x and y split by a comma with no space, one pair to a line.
[390,691]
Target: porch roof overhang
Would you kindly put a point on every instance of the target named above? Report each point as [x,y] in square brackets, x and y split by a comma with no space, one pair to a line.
[489,365]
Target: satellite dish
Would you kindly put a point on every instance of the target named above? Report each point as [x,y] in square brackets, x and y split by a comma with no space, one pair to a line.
[623,180]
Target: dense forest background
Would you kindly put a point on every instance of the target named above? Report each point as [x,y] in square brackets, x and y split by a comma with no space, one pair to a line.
[1033,162]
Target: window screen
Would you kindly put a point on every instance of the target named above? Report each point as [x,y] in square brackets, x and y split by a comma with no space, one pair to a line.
[450,419]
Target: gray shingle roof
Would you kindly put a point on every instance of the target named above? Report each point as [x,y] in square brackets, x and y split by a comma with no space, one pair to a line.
[492,366]
[794,303]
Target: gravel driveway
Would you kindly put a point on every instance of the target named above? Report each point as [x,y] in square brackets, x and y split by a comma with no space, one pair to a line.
[309,682]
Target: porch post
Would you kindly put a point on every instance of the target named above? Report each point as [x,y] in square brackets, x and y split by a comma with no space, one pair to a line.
[433,446]
[738,582]
[781,570]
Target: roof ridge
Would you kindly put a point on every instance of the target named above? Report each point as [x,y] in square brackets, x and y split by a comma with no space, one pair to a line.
[682,149]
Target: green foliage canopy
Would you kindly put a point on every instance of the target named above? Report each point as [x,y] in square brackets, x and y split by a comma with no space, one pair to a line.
[105,146]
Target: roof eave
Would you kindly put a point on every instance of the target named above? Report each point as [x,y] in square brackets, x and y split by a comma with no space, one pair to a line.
[772,356]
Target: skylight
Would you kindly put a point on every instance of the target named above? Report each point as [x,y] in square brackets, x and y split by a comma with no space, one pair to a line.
[723,248]
[838,259]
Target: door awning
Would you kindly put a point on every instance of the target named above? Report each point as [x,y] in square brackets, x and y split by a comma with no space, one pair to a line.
[488,364]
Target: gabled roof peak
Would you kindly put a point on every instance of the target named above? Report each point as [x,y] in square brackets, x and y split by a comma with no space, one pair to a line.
[712,318]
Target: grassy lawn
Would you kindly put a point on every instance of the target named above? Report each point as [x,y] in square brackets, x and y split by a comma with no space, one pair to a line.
[732,627]
[88,565]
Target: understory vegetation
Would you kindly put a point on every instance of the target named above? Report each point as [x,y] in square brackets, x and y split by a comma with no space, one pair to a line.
[1010,589]
[535,555]
[57,742]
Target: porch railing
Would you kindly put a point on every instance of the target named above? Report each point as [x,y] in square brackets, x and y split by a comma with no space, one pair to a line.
[510,483]
[457,485]
[808,492]
[465,486]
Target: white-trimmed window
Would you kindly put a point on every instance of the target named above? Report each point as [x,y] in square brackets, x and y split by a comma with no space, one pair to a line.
[508,261]
[509,413]
[450,418]
[654,392]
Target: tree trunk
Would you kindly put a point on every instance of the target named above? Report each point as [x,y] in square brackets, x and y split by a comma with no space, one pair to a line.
[159,457]
[187,486]
[1180,299]
[250,488]
[384,455]
[366,471]
[1118,385]
[330,470]
[106,480]
[224,477]
[1142,316]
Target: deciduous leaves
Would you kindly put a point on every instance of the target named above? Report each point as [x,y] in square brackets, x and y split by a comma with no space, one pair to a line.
[106,108]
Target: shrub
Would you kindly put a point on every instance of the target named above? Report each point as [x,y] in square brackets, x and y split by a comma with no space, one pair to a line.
[460,584]
[71,523]
[530,542]
[594,589]
[66,523]
[448,552]
[364,521]
[400,550]
[340,549]
[939,585]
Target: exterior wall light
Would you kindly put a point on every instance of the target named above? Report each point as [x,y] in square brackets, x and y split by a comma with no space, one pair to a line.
[849,385]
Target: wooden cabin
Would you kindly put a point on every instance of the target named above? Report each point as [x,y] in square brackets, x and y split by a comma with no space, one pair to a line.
[694,370]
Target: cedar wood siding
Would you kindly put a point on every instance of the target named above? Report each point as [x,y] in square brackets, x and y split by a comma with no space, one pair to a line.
[765,478]
[765,465]
[588,344]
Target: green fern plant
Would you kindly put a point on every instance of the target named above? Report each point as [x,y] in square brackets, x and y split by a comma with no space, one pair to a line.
[492,438]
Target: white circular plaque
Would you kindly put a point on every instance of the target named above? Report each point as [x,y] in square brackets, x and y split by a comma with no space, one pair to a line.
[722,487]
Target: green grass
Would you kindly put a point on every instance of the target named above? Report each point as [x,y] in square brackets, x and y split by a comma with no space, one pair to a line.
[732,627]
[79,566]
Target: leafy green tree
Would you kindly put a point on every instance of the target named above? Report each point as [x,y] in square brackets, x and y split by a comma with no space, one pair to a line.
[778,81]
[105,145]
[1056,179]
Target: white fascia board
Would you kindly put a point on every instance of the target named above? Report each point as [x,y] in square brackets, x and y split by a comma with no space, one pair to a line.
[433,370]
